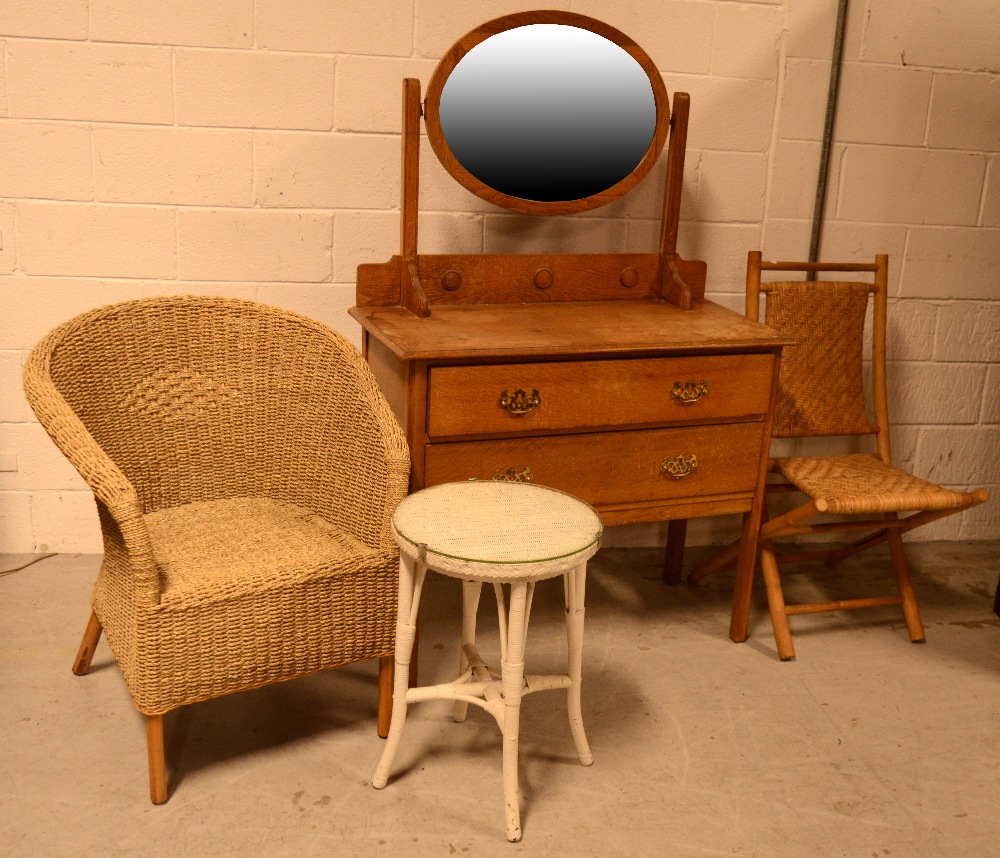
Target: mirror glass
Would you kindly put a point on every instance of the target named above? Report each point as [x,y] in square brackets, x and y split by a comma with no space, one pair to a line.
[546,113]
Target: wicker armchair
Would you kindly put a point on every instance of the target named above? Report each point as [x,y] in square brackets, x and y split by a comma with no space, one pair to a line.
[245,467]
[820,394]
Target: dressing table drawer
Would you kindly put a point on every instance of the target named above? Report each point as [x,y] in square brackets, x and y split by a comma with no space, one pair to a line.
[532,397]
[610,468]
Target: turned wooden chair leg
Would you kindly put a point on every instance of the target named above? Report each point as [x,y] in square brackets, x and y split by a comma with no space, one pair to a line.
[157,762]
[87,646]
[776,601]
[910,610]
[385,677]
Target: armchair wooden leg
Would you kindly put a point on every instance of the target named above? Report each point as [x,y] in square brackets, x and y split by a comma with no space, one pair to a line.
[776,602]
[910,610]
[87,646]
[157,763]
[385,677]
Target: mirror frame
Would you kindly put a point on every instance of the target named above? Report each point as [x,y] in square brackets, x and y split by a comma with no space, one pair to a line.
[465,44]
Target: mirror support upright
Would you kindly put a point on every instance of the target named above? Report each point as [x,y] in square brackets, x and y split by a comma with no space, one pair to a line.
[673,288]
[412,295]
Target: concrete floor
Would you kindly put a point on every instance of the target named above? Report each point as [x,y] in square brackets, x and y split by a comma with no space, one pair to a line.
[866,745]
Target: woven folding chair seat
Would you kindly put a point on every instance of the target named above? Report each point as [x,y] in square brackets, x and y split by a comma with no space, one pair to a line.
[860,483]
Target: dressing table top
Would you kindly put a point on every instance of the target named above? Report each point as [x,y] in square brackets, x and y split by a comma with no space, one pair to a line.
[554,329]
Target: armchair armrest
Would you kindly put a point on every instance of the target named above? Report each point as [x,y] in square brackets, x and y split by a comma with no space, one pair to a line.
[395,452]
[105,479]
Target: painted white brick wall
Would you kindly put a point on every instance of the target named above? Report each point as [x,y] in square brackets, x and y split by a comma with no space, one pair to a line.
[251,148]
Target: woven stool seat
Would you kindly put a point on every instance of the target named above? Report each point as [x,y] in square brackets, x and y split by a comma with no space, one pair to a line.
[504,533]
[498,533]
[860,483]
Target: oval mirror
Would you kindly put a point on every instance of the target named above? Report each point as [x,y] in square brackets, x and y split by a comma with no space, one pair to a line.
[547,112]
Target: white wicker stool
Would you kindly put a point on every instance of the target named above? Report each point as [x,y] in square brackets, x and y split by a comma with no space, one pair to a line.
[497,533]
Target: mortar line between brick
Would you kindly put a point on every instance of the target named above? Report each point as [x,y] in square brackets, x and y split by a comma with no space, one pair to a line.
[841,178]
[213,207]
[715,25]
[161,45]
[173,86]
[775,123]
[983,405]
[177,243]
[863,35]
[326,210]
[902,275]
[6,80]
[413,28]
[34,525]
[85,121]
[93,162]
[333,96]
[930,110]
[253,168]
[333,247]
[870,144]
[17,241]
[121,280]
[255,50]
[987,175]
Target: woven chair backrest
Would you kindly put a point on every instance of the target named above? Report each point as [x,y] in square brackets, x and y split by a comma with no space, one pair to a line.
[820,388]
[198,398]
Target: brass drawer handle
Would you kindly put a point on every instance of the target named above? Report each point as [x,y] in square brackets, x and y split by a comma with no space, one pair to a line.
[689,392]
[520,403]
[513,475]
[680,466]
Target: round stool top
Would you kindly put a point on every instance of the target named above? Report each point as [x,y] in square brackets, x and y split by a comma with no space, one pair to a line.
[484,524]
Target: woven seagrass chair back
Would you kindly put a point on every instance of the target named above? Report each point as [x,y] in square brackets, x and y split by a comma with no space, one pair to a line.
[820,386]
[199,398]
[820,389]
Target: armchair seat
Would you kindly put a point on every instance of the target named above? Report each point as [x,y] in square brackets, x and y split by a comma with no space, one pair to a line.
[238,572]
[213,551]
[860,483]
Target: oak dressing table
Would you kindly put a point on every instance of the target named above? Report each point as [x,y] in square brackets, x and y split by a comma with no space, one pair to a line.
[605,375]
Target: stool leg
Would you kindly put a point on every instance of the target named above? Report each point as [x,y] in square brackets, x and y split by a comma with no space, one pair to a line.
[574,584]
[470,606]
[411,579]
[512,665]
